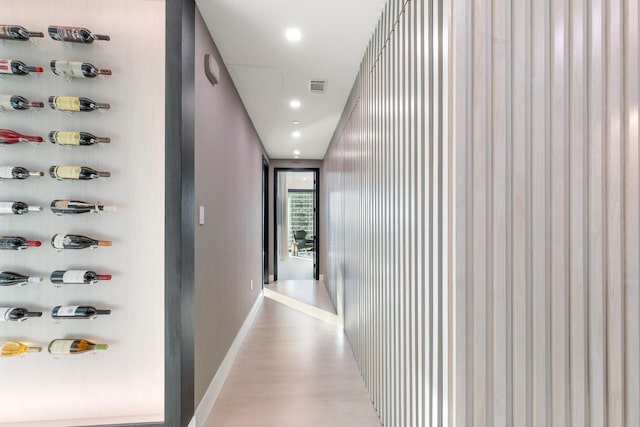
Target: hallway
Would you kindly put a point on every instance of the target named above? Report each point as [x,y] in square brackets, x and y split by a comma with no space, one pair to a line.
[293,370]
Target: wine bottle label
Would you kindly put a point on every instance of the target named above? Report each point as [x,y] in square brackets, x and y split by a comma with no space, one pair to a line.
[5,66]
[5,102]
[69,68]
[67,34]
[4,313]
[67,310]
[6,208]
[73,276]
[62,204]
[67,137]
[67,103]
[59,241]
[68,172]
[60,347]
[6,172]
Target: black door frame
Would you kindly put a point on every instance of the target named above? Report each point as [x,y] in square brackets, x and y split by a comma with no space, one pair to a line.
[265,221]
[316,224]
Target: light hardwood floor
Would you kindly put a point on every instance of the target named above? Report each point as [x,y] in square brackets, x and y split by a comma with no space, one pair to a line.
[293,371]
[311,292]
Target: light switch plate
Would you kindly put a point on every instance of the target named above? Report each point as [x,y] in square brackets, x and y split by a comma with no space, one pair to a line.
[201,215]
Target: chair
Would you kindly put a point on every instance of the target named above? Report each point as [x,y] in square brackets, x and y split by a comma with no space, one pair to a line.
[304,244]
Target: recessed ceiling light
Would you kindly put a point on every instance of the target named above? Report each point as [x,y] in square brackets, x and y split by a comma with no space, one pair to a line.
[296,134]
[293,34]
[295,103]
[295,122]
[296,152]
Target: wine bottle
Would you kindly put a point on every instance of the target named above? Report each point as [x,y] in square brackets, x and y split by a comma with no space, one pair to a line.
[77,277]
[17,208]
[14,348]
[8,136]
[75,34]
[76,172]
[65,137]
[17,32]
[17,102]
[17,172]
[74,346]
[9,278]
[17,68]
[77,312]
[75,241]
[75,104]
[71,207]
[17,314]
[17,243]
[77,69]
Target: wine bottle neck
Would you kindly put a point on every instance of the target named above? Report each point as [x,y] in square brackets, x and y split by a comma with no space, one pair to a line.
[100,37]
[34,243]
[33,104]
[31,69]
[104,174]
[103,311]
[104,277]
[36,173]
[101,346]
[34,208]
[103,71]
[34,279]
[33,314]
[101,105]
[104,243]
[35,34]
[33,349]
[103,140]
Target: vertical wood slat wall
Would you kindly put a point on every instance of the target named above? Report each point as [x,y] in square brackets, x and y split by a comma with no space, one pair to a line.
[484,213]
[546,253]
[385,173]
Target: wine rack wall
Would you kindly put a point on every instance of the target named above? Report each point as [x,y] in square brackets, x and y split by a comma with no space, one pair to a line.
[123,384]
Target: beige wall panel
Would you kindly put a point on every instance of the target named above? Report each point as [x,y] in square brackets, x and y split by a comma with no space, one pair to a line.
[501,214]
[632,215]
[559,194]
[483,343]
[597,155]
[578,147]
[521,191]
[614,147]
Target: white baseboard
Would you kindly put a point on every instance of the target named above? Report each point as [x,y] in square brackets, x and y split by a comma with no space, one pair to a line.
[208,401]
[270,278]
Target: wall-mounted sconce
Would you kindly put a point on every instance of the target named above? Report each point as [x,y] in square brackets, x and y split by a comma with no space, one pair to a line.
[211,69]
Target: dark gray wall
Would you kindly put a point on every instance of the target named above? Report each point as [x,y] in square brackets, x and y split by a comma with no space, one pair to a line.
[228,180]
[179,405]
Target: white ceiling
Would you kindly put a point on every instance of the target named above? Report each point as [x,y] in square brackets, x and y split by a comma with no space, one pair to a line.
[269,71]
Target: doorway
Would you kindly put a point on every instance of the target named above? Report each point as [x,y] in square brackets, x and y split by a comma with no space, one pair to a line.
[296,237]
[265,221]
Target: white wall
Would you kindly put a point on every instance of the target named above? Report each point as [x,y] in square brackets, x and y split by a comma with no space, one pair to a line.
[125,383]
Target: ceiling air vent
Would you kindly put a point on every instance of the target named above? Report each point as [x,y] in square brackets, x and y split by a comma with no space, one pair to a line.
[317,86]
